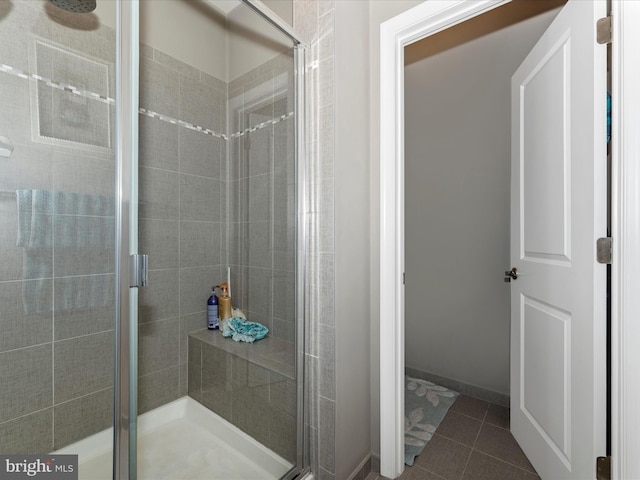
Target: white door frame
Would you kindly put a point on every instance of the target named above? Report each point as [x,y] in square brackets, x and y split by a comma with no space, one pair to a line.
[431,17]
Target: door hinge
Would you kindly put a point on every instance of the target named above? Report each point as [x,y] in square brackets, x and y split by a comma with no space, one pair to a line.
[403,277]
[603,30]
[604,250]
[603,468]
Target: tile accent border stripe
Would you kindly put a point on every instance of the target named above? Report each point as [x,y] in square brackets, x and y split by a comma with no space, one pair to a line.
[262,125]
[149,113]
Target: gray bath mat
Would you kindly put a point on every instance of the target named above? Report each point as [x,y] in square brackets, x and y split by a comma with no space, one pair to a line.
[425,405]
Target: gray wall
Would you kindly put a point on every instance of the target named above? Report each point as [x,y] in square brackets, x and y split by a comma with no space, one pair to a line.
[252,41]
[182,187]
[457,140]
[353,429]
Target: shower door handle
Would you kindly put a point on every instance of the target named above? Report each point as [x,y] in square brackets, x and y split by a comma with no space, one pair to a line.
[139,270]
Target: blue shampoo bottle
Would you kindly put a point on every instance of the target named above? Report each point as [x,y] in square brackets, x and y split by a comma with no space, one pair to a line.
[213,318]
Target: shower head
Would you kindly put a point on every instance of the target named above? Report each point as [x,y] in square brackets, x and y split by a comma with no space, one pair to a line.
[75,6]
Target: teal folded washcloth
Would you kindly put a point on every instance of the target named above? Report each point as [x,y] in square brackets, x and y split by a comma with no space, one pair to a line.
[242,330]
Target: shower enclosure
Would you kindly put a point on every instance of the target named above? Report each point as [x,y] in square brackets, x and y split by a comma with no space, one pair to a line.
[171,129]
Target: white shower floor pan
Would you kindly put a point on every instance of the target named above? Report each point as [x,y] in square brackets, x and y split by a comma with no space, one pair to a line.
[183,441]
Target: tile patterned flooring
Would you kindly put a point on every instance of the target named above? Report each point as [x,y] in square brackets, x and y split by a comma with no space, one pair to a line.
[473,442]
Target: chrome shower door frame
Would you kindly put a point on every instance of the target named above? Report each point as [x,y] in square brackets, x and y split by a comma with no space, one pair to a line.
[302,441]
[302,466]
[126,242]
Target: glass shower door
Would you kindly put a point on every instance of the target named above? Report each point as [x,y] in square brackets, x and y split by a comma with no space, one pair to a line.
[218,190]
[57,232]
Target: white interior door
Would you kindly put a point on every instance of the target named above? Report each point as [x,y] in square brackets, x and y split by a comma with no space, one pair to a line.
[558,210]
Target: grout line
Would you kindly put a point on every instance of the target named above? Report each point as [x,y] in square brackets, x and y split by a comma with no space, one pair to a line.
[55,220]
[481,420]
[480,452]
[83,396]
[452,440]
[35,279]
[54,341]
[474,447]
[466,465]
[419,467]
[26,347]
[475,442]
[50,407]
[163,369]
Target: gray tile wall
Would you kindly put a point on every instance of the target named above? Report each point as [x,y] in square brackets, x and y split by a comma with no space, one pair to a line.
[56,320]
[214,202]
[261,206]
[182,219]
[56,295]
[254,396]
[196,214]
[314,19]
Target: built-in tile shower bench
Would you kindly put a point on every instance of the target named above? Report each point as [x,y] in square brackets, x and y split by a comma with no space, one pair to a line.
[251,386]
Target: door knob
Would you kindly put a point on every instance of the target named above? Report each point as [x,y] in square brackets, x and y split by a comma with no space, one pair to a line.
[511,274]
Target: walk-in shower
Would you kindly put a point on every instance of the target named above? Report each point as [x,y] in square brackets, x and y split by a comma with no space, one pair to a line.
[171,129]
